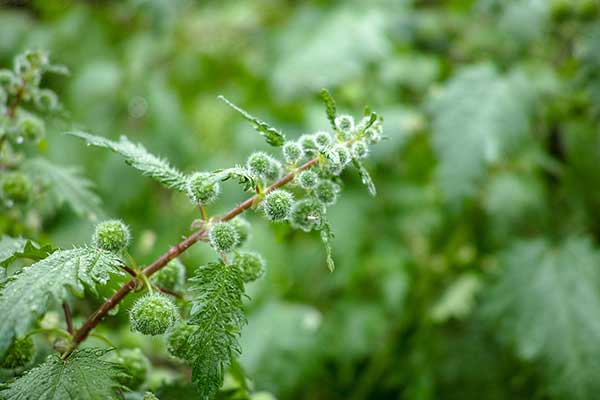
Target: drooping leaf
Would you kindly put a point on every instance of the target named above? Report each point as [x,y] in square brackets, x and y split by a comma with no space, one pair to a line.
[139,158]
[216,297]
[243,176]
[83,376]
[546,303]
[330,108]
[66,185]
[28,294]
[477,118]
[326,236]
[273,136]
[365,177]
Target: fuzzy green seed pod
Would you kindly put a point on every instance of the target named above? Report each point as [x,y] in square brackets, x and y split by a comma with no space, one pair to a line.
[274,171]
[259,163]
[322,140]
[178,339]
[326,192]
[292,152]
[338,158]
[19,354]
[171,276]
[373,134]
[308,179]
[152,314]
[277,205]
[46,99]
[345,124]
[307,214]
[9,81]
[309,147]
[223,237]
[30,127]
[242,227]
[135,364]
[251,264]
[112,235]
[150,396]
[360,150]
[202,188]
[16,188]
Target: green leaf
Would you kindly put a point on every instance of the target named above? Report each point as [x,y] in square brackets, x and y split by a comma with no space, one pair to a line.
[9,246]
[66,185]
[273,136]
[28,294]
[14,248]
[477,118]
[243,176]
[83,376]
[216,297]
[365,177]
[330,108]
[326,236]
[139,158]
[546,304]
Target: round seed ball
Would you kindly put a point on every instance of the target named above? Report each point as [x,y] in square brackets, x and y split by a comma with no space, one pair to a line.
[152,314]
[202,188]
[171,276]
[177,342]
[223,236]
[277,205]
[112,235]
[307,214]
[308,179]
[251,264]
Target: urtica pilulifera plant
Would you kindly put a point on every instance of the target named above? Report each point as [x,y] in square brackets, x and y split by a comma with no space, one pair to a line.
[202,317]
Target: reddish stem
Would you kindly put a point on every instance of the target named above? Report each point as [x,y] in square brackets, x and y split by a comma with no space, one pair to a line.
[68,317]
[172,253]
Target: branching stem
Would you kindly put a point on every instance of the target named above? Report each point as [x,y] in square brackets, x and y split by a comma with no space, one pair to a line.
[172,253]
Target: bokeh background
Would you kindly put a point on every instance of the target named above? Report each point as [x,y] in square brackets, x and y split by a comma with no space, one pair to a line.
[474,273]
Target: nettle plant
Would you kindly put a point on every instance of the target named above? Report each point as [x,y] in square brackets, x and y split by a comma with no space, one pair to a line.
[201,317]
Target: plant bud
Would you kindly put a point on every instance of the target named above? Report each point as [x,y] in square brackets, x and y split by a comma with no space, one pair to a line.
[135,364]
[202,189]
[360,150]
[171,276]
[292,152]
[373,134]
[326,192]
[178,340]
[242,227]
[46,99]
[30,127]
[322,140]
[309,146]
[308,179]
[259,164]
[277,205]
[338,158]
[345,124]
[274,171]
[112,235]
[307,214]
[152,314]
[223,237]
[16,188]
[19,354]
[251,264]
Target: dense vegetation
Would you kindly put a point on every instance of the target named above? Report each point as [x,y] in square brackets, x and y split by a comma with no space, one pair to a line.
[473,273]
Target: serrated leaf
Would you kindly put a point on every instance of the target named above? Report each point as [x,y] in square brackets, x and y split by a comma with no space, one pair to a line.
[139,158]
[15,248]
[66,185]
[326,236]
[365,177]
[83,376]
[216,297]
[546,304]
[477,118]
[30,293]
[273,136]
[330,108]
[241,174]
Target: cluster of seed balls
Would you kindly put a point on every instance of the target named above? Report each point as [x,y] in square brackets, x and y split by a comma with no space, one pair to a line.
[155,313]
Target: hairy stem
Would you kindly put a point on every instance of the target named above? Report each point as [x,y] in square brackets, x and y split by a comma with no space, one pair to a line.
[172,253]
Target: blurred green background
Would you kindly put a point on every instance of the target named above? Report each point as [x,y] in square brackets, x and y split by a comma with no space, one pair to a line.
[475,272]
